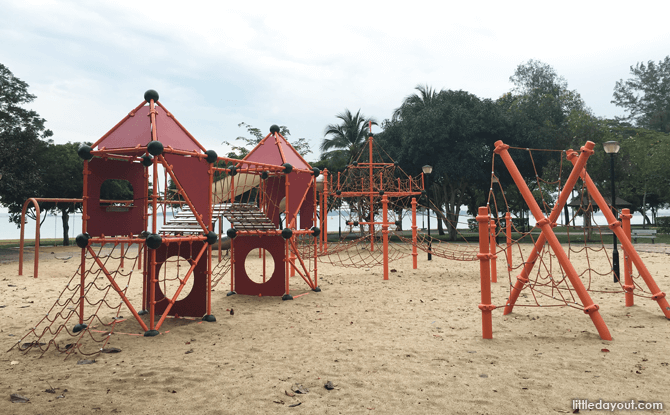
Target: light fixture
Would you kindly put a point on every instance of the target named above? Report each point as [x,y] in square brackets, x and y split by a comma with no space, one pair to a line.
[427,169]
[611,147]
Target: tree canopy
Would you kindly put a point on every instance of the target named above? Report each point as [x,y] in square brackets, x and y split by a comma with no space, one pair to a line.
[345,140]
[454,132]
[646,96]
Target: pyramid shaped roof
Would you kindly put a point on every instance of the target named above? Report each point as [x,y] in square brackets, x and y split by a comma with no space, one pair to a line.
[274,149]
[135,130]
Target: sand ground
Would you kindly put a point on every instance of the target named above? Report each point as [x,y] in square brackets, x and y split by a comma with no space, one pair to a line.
[412,344]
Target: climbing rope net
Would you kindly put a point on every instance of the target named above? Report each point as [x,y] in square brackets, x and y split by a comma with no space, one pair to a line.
[583,236]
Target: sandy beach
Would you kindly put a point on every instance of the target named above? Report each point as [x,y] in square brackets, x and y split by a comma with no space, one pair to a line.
[412,344]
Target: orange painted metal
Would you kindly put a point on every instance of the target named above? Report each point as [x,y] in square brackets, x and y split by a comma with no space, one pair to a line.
[371,188]
[324,215]
[415,254]
[484,273]
[656,293]
[522,278]
[385,235]
[494,257]
[544,223]
[508,233]
[627,262]
[116,287]
[37,236]
[35,202]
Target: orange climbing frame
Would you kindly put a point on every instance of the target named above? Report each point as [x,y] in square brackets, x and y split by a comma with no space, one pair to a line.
[546,224]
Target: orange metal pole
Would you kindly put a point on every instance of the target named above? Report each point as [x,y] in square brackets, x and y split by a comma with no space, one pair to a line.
[371,226]
[522,278]
[123,253]
[324,214]
[544,223]
[415,254]
[286,262]
[484,269]
[316,283]
[657,295]
[508,232]
[494,257]
[153,280]
[385,235]
[627,263]
[82,281]
[37,236]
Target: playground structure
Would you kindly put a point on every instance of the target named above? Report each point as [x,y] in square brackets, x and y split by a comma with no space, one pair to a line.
[253,194]
[564,280]
[250,194]
[378,194]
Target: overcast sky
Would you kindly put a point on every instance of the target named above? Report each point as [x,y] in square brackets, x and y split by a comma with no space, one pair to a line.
[299,64]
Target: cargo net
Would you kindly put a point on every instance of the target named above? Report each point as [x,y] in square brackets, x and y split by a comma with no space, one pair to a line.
[357,192]
[60,328]
[585,241]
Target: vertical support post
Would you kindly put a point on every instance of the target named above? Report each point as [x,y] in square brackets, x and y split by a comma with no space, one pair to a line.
[324,214]
[286,271]
[292,263]
[82,284]
[627,263]
[508,232]
[494,257]
[123,253]
[415,254]
[615,251]
[209,279]
[371,226]
[545,224]
[484,270]
[385,235]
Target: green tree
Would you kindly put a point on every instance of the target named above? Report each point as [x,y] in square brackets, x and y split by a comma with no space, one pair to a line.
[642,171]
[61,170]
[346,140]
[21,146]
[454,132]
[646,96]
[14,94]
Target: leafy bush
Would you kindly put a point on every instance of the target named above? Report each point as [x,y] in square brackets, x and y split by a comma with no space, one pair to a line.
[663,224]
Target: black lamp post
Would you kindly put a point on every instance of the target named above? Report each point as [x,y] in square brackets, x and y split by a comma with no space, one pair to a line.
[611,148]
[426,171]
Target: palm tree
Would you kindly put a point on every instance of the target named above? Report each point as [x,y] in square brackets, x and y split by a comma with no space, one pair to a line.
[348,137]
[426,97]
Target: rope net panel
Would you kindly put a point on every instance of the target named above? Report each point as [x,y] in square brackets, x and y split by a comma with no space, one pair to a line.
[102,307]
[582,237]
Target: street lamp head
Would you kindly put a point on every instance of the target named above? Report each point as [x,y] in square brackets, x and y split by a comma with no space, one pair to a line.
[427,169]
[611,147]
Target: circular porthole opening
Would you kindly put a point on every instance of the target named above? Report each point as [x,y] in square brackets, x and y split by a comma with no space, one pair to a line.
[259,265]
[171,273]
